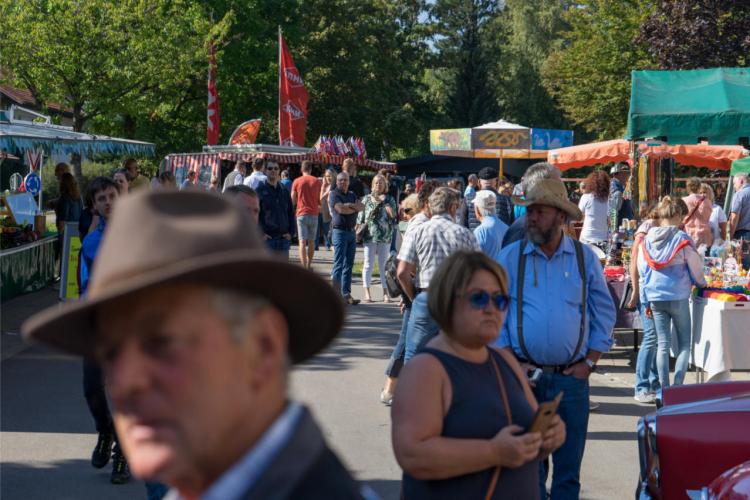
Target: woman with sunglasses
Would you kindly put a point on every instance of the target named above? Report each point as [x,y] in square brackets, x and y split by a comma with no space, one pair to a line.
[461,408]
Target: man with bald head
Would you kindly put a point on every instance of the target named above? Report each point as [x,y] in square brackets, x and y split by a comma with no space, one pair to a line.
[344,205]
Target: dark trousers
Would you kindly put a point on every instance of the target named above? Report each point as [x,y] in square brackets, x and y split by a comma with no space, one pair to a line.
[96,399]
[574,411]
[743,234]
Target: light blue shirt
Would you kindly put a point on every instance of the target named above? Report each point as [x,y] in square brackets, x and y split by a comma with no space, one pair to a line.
[741,206]
[237,481]
[490,235]
[552,304]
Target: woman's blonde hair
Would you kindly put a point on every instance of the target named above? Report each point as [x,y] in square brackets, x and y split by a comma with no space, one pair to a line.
[410,205]
[708,191]
[669,208]
[451,279]
[375,179]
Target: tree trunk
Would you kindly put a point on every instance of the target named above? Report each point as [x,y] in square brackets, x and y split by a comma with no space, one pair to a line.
[75,158]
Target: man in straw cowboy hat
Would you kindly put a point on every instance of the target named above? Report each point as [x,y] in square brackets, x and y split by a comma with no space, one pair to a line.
[559,322]
[196,335]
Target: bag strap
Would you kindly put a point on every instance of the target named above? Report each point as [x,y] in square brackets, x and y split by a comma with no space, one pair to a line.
[695,209]
[519,299]
[506,405]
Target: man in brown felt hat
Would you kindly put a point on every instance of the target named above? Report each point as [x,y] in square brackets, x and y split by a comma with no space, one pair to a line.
[195,326]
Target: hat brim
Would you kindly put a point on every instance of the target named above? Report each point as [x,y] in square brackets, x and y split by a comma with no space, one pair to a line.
[313,311]
[566,206]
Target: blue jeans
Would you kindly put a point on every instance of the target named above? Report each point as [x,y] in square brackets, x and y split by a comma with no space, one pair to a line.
[397,357]
[646,376]
[666,313]
[421,327]
[156,491]
[280,246]
[344,248]
[574,411]
[324,233]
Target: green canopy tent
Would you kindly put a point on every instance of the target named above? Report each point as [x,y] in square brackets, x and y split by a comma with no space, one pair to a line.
[686,107]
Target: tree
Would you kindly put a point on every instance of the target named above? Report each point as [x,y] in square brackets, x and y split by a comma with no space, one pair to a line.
[528,30]
[111,62]
[590,74]
[460,34]
[688,34]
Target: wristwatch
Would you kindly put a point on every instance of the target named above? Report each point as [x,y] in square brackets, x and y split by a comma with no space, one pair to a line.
[590,364]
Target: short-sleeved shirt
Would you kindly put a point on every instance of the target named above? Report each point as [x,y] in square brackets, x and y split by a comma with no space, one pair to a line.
[741,206]
[344,222]
[595,218]
[138,183]
[357,187]
[718,217]
[255,179]
[307,188]
[431,243]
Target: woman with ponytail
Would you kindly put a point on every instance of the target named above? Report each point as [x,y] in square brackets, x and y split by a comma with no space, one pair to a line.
[668,265]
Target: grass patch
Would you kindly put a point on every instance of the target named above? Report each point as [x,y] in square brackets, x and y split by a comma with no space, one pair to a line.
[357,269]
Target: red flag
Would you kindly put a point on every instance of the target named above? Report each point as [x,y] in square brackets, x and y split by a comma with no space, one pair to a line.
[293,99]
[212,126]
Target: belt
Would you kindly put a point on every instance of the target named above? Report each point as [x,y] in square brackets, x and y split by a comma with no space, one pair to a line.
[419,290]
[550,368]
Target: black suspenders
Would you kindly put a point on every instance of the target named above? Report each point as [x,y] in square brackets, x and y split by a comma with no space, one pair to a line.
[519,300]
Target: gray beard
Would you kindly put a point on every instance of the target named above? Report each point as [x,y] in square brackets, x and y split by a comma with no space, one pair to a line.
[539,237]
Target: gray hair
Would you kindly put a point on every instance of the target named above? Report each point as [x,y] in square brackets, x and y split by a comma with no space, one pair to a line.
[237,309]
[537,172]
[442,199]
[742,177]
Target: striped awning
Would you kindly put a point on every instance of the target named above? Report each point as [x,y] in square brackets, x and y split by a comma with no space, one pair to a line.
[196,161]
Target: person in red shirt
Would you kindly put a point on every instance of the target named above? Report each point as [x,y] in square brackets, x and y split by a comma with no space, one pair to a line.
[306,198]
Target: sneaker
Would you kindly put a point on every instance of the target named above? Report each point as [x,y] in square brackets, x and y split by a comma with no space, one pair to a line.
[120,470]
[593,405]
[351,300]
[646,398]
[102,451]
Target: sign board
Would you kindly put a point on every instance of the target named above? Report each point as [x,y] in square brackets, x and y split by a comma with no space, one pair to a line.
[32,183]
[23,207]
[500,139]
[455,139]
[71,251]
[546,139]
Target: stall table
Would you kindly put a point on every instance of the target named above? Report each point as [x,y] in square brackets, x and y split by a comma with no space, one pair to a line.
[721,336]
[27,268]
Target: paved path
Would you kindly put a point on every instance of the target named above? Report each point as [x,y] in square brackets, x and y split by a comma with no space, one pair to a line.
[47,434]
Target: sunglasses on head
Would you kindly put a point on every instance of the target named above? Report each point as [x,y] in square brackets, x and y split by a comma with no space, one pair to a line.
[480,299]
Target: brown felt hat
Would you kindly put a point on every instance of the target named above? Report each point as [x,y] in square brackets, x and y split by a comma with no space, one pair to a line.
[550,192]
[192,237]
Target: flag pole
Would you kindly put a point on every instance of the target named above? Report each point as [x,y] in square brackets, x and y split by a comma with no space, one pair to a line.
[279,87]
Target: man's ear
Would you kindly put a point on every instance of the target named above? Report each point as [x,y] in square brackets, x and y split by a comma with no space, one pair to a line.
[268,344]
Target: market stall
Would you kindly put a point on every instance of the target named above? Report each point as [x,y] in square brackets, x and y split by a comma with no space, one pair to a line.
[28,250]
[208,163]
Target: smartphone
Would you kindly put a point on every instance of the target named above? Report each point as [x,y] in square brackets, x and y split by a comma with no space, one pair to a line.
[545,414]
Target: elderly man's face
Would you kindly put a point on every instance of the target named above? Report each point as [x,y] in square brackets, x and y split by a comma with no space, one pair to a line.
[342,182]
[184,390]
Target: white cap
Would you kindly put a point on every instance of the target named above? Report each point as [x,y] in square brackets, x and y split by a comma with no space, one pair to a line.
[485,199]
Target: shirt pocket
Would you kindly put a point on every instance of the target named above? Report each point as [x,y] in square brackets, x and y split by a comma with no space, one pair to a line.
[571,292]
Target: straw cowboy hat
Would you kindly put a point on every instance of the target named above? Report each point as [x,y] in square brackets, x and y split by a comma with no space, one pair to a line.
[550,192]
[168,237]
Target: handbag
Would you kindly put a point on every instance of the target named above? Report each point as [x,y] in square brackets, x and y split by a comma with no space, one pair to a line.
[506,404]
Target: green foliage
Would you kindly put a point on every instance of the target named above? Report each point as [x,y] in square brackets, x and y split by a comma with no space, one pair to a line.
[590,75]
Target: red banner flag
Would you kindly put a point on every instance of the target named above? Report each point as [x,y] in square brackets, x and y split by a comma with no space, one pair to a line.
[212,126]
[293,99]
[246,133]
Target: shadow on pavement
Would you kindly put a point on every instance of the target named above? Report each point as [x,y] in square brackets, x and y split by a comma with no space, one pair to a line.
[612,436]
[624,409]
[63,480]
[42,391]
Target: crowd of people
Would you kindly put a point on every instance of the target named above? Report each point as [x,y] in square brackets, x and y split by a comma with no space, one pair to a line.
[503,308]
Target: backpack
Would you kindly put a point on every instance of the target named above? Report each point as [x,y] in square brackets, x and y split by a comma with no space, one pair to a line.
[393,287]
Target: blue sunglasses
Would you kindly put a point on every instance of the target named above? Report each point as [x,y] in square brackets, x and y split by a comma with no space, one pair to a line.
[480,299]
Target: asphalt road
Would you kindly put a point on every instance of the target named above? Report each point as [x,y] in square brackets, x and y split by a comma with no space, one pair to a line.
[46,433]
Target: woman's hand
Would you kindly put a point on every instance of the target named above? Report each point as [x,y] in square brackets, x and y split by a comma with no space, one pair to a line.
[554,436]
[633,302]
[513,449]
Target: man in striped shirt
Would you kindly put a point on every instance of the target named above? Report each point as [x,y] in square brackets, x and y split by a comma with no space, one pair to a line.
[422,252]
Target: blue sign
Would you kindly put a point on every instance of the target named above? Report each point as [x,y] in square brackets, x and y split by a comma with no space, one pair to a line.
[546,139]
[32,183]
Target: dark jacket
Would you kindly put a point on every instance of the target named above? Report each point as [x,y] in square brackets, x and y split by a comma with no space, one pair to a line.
[276,211]
[503,209]
[516,231]
[305,469]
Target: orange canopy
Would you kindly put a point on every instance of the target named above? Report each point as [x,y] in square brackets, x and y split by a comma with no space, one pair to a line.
[698,155]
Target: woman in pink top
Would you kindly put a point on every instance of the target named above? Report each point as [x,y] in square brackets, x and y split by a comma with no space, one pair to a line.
[697,224]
